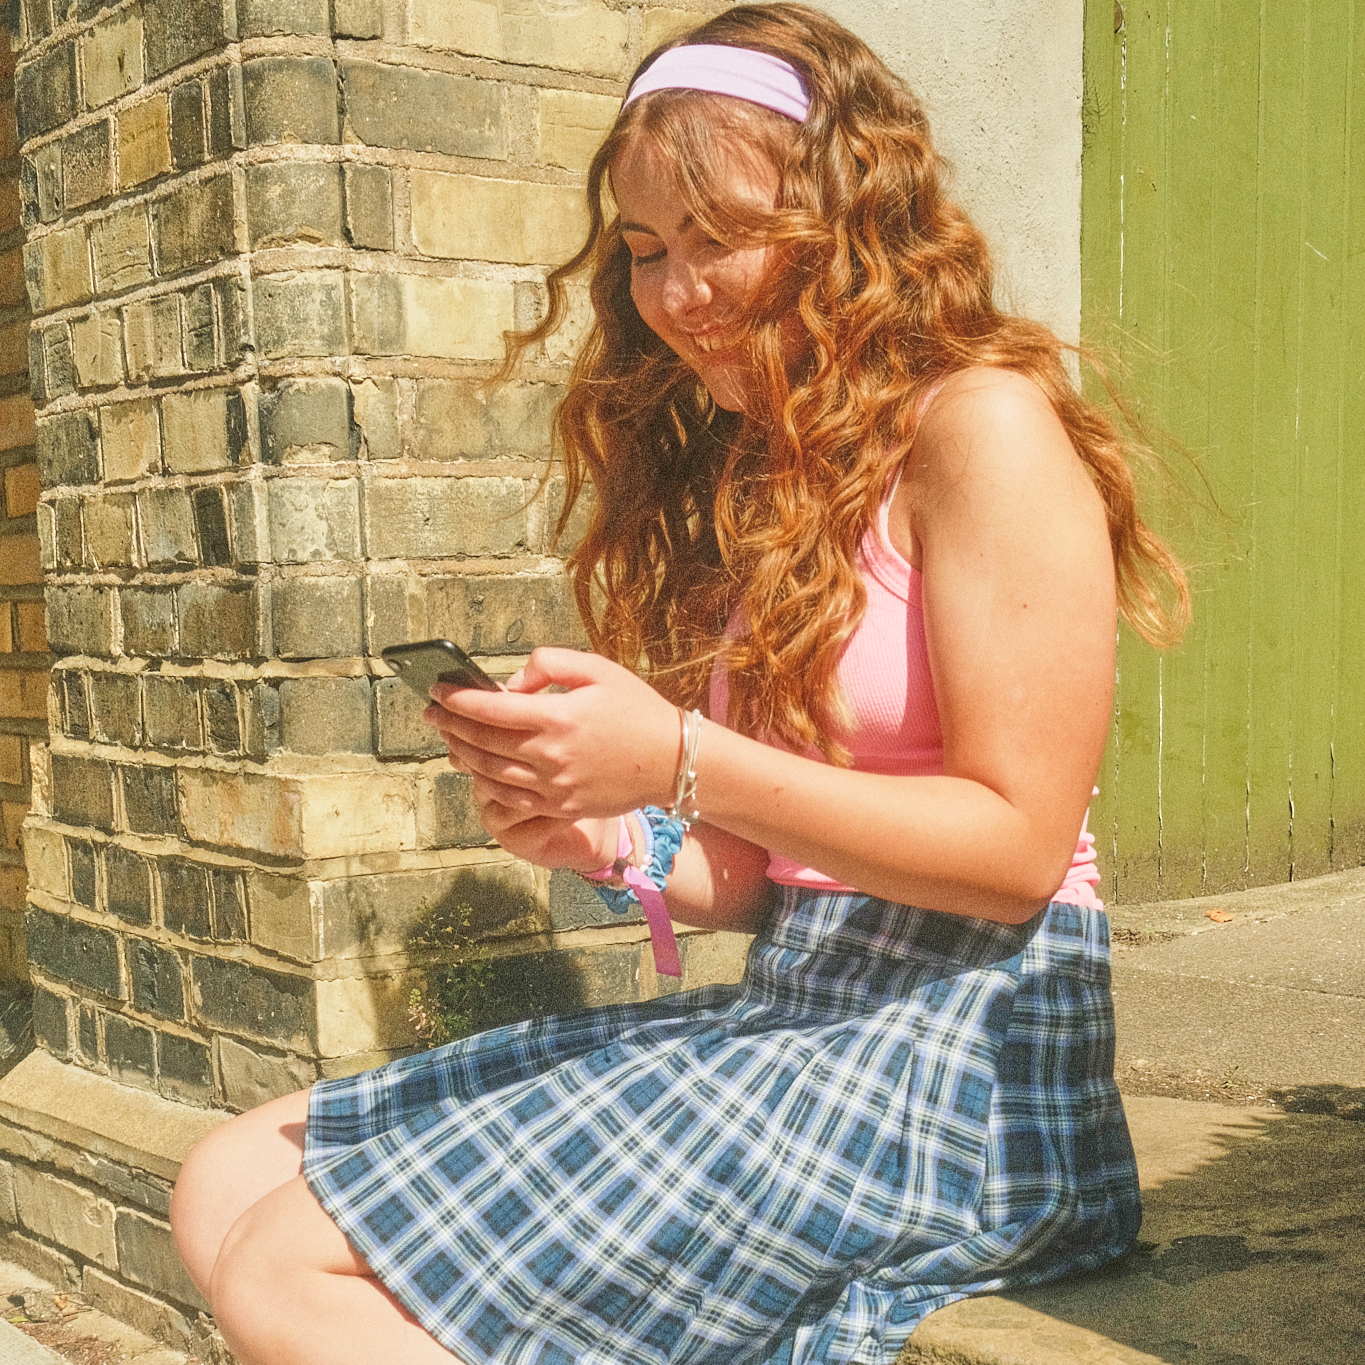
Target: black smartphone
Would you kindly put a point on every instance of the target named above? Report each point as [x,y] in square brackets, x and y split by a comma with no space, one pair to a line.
[432,661]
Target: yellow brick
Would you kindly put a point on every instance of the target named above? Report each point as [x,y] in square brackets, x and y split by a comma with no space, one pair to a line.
[573,125]
[569,35]
[300,817]
[6,629]
[21,490]
[19,559]
[663,24]
[416,315]
[111,55]
[46,859]
[32,627]
[12,770]
[470,218]
[66,268]
[97,345]
[14,347]
[23,694]
[130,437]
[144,141]
[13,813]
[13,290]
[17,424]
[9,131]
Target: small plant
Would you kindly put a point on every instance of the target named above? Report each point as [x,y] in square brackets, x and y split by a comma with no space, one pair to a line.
[446,1009]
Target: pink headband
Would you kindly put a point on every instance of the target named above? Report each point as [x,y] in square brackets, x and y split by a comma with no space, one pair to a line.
[736,71]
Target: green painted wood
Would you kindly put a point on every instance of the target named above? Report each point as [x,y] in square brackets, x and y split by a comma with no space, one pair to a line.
[1223,256]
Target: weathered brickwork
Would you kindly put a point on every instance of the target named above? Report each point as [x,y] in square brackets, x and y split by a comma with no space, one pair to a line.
[269,252]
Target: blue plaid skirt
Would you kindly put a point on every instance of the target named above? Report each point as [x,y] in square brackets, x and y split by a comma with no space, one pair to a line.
[895,1108]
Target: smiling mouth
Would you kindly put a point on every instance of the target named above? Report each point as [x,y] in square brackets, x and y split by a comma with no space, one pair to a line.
[714,339]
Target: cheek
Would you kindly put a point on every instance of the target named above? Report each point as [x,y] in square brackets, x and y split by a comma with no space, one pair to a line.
[646,302]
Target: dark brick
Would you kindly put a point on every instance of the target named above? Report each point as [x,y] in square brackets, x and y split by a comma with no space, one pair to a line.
[210,520]
[50,1028]
[75,705]
[308,414]
[148,621]
[45,92]
[429,111]
[80,618]
[227,116]
[357,19]
[218,622]
[68,450]
[258,18]
[116,711]
[38,18]
[69,539]
[316,618]
[82,857]
[326,716]
[59,365]
[498,614]
[290,99]
[233,334]
[194,225]
[170,711]
[128,884]
[185,898]
[201,342]
[457,814]
[386,610]
[72,951]
[288,202]
[157,979]
[88,1026]
[186,1069]
[402,733]
[188,125]
[177,33]
[369,206]
[300,314]
[244,998]
[262,705]
[37,380]
[30,199]
[130,1050]
[87,165]
[149,798]
[229,906]
[83,791]
[575,905]
[537,984]
[220,713]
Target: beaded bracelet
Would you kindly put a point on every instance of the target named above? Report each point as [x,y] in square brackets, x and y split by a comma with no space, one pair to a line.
[624,885]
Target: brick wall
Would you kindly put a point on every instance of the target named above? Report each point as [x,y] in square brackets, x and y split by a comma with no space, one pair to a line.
[271,250]
[24,659]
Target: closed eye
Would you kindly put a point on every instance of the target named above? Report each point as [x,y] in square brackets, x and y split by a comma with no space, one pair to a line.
[647,260]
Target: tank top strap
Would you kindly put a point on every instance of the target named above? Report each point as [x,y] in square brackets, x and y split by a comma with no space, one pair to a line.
[894,483]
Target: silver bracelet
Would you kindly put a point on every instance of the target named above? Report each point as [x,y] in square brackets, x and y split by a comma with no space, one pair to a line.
[685,787]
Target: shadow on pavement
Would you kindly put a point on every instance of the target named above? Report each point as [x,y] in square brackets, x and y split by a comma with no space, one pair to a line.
[1252,1249]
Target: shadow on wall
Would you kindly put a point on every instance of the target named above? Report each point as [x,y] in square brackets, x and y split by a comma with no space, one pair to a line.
[1251,1254]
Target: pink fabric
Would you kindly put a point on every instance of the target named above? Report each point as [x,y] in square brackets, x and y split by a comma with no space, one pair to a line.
[739,72]
[661,936]
[889,688]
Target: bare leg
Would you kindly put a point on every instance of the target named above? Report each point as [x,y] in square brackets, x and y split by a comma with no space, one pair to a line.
[226,1173]
[288,1289]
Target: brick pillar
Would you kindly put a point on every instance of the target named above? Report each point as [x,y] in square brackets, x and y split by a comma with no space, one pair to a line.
[272,249]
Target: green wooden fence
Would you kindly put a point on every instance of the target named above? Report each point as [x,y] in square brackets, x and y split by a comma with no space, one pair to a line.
[1223,250]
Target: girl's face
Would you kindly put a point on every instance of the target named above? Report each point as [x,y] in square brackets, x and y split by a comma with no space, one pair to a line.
[691,290]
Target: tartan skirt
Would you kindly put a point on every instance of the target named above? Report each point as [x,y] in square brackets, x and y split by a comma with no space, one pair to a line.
[893,1109]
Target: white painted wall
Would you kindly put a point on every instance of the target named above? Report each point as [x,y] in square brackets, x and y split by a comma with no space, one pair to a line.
[1001,80]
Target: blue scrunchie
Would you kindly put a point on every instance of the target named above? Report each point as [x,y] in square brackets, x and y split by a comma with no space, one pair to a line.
[663,838]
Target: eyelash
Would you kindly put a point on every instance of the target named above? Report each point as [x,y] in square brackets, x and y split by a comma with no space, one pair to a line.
[647,260]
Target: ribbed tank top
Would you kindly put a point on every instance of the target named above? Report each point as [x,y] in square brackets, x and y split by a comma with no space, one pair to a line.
[885,675]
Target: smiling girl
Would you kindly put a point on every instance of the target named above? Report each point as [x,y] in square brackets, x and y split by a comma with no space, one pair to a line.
[851,575]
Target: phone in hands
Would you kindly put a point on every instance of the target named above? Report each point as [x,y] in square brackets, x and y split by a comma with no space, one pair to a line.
[431,661]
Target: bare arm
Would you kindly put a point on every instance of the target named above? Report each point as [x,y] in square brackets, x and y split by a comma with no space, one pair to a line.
[1019,614]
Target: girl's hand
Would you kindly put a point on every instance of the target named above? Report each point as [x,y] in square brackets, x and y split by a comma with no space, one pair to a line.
[606,745]
[579,845]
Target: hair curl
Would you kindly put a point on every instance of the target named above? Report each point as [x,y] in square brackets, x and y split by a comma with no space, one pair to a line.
[700,511]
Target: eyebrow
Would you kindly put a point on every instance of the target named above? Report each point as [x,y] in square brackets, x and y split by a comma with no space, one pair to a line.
[653,232]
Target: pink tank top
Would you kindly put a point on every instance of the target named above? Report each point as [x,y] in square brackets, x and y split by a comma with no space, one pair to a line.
[886,680]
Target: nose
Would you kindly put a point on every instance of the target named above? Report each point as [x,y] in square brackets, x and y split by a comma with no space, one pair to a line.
[686,287]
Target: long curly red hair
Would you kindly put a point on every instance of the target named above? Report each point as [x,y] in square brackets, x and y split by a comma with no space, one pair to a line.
[699,512]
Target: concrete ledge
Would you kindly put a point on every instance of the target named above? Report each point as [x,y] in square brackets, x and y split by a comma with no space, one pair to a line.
[99,1116]
[993,1331]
